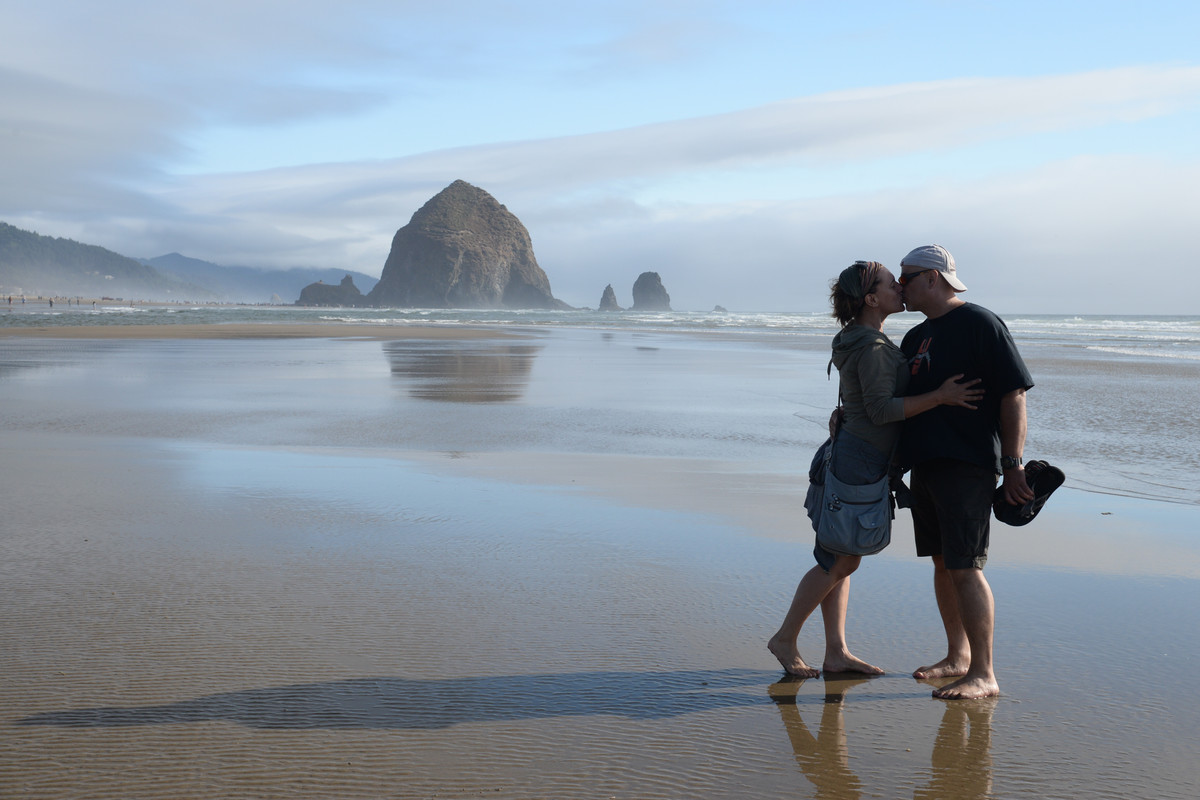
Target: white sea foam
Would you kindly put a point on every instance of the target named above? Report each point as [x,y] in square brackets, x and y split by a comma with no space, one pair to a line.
[1123,336]
[1145,352]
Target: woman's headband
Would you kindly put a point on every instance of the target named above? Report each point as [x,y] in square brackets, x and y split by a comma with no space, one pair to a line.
[857,280]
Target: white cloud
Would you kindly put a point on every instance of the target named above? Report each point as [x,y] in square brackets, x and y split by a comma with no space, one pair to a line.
[1070,237]
[65,147]
[740,204]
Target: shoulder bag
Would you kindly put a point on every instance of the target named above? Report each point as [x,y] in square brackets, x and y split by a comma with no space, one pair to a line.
[855,519]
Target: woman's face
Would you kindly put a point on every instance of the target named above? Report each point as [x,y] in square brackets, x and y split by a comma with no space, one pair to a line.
[888,293]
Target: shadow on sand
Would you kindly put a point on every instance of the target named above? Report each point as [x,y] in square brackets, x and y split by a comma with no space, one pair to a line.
[428,704]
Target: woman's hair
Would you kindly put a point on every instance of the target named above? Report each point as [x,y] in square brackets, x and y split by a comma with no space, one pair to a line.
[850,290]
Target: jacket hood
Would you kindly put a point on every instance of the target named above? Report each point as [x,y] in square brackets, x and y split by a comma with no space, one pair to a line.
[852,338]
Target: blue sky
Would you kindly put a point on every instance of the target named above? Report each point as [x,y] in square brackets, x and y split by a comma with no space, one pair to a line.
[745,151]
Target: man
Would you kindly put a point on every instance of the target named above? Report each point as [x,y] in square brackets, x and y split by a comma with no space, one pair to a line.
[955,455]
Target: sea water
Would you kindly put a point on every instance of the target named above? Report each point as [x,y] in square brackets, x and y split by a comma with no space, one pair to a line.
[1113,402]
[1145,336]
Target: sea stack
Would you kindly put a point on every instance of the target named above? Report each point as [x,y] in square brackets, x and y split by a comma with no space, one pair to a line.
[649,293]
[463,249]
[345,295]
[608,300]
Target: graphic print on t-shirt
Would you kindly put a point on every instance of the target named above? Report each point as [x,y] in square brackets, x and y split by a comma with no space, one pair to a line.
[922,356]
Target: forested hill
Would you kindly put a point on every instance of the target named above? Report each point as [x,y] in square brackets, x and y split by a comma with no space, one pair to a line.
[248,284]
[32,264]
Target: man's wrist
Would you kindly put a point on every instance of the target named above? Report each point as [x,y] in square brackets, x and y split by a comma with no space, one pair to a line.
[1010,462]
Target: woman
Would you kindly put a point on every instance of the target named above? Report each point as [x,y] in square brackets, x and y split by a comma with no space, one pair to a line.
[872,376]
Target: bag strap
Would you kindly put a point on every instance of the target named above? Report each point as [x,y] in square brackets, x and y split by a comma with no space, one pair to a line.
[828,462]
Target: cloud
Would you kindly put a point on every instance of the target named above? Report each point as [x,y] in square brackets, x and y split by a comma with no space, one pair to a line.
[842,126]
[92,165]
[66,147]
[858,126]
[1047,240]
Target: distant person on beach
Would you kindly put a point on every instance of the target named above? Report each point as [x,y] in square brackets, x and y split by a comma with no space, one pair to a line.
[955,457]
[872,379]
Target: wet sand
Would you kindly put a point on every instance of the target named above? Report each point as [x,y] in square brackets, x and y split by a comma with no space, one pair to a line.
[352,569]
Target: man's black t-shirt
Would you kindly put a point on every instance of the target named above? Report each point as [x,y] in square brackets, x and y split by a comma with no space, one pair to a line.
[975,342]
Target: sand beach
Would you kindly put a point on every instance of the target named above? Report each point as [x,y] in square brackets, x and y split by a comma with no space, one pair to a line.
[327,560]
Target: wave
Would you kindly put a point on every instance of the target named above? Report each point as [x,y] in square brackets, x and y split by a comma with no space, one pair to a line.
[1160,337]
[1144,352]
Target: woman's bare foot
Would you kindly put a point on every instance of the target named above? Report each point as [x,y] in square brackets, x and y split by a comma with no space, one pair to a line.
[789,657]
[946,668]
[968,688]
[845,662]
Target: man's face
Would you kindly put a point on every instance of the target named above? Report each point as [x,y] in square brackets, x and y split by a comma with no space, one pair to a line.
[914,282]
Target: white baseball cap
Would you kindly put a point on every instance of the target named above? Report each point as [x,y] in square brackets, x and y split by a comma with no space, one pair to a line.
[934,256]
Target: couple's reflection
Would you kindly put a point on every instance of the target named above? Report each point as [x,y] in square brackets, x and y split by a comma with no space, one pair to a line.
[961,760]
[823,758]
[463,371]
[962,752]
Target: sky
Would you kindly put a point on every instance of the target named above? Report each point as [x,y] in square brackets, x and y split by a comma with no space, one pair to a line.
[745,151]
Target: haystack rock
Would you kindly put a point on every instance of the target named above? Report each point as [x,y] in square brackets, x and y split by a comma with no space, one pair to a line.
[608,300]
[345,295]
[649,294]
[462,249]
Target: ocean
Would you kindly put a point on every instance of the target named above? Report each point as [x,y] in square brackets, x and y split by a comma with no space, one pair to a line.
[1113,405]
[1173,338]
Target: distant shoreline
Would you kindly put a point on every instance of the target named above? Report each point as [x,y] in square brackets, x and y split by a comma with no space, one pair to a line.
[73,301]
[254,330]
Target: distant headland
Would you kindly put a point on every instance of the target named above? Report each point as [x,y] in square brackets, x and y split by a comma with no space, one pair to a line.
[461,249]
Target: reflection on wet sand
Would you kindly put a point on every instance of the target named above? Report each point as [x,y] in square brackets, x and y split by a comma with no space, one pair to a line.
[463,371]
[962,753]
[824,758]
[962,750]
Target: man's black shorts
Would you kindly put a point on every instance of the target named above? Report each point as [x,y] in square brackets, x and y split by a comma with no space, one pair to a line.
[952,511]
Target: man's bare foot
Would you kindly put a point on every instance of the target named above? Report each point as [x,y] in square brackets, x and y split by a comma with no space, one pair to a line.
[968,689]
[845,662]
[946,668]
[790,658]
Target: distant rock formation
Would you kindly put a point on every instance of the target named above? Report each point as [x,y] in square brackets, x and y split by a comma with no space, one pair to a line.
[608,300]
[345,295]
[462,249]
[720,310]
[649,294]
[251,284]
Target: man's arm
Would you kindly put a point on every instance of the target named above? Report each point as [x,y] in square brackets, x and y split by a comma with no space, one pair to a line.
[1012,443]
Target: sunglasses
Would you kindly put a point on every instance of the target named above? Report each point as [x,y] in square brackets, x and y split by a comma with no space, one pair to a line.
[907,277]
